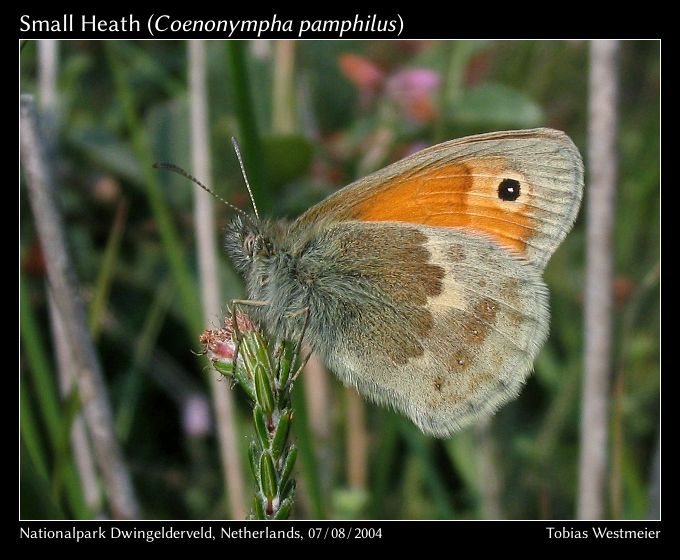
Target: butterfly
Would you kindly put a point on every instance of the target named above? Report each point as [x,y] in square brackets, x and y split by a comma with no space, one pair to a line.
[421,284]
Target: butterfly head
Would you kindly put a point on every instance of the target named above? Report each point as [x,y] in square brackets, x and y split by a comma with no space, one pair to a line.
[248,242]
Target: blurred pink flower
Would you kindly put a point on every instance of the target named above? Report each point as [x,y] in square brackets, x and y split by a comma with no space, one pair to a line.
[196,421]
[412,89]
[413,81]
[363,73]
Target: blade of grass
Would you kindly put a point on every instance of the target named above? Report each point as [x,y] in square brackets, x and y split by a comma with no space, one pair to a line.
[29,430]
[144,345]
[490,473]
[634,485]
[36,501]
[654,482]
[249,134]
[461,451]
[630,314]
[562,404]
[356,441]
[318,398]
[107,270]
[421,448]
[382,463]
[307,455]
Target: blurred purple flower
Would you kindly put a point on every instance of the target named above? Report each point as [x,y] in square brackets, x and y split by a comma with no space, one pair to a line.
[413,82]
[196,421]
[412,90]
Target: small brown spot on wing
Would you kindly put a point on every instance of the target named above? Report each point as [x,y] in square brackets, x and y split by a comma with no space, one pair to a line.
[509,289]
[456,253]
[439,383]
[459,360]
[475,331]
[486,309]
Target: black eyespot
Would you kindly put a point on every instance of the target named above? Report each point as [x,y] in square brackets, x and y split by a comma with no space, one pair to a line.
[508,190]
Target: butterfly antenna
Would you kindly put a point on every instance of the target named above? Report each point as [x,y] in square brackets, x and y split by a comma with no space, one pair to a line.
[234,143]
[177,169]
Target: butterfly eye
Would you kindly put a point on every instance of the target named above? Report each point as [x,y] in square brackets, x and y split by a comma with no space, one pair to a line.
[508,190]
[249,244]
[261,247]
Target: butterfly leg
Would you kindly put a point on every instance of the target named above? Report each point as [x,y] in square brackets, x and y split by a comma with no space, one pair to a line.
[298,344]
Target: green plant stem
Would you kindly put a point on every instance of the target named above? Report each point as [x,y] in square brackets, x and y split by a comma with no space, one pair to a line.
[107,270]
[267,373]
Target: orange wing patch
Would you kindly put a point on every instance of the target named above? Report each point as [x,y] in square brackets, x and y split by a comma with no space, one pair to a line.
[456,195]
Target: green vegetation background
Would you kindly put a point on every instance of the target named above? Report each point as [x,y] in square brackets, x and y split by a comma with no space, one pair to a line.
[337,111]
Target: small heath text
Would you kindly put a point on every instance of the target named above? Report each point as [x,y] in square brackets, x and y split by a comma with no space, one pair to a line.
[156,25]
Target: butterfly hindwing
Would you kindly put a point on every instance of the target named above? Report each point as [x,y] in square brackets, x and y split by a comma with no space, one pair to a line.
[442,325]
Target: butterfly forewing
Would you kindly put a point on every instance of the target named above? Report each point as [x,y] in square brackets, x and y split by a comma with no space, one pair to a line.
[521,188]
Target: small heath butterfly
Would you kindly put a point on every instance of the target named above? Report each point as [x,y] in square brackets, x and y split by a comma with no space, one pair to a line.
[421,284]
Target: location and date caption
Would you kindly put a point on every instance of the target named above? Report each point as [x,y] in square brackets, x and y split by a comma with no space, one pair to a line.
[78,534]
